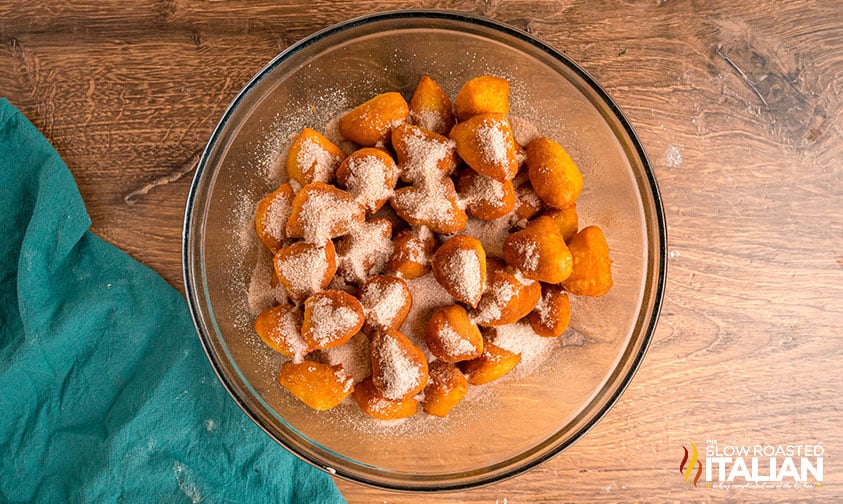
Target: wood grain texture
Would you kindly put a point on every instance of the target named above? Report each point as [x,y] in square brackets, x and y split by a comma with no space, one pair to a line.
[737,103]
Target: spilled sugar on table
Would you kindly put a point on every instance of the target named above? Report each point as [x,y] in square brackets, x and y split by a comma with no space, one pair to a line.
[738,105]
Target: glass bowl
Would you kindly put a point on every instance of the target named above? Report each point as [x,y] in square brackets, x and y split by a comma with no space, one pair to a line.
[502,428]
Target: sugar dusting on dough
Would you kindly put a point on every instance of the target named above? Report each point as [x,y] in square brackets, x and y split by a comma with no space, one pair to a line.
[427,294]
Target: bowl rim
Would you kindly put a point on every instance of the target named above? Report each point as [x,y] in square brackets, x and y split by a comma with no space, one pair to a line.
[660,262]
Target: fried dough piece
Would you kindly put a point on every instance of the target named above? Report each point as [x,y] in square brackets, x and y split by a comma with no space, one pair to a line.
[371,123]
[318,385]
[431,107]
[482,95]
[591,274]
[445,389]
[486,144]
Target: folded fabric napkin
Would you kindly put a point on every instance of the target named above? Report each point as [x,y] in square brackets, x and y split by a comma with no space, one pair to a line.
[105,393]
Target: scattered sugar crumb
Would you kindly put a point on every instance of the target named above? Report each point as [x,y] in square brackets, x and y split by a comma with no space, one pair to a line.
[186,483]
[490,233]
[427,296]
[521,339]
[674,156]
[354,357]
[260,293]
[523,130]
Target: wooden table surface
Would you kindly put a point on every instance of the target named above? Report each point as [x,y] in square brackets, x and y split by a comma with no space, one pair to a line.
[737,103]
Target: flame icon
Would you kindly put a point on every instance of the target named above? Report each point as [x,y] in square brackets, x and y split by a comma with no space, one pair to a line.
[686,467]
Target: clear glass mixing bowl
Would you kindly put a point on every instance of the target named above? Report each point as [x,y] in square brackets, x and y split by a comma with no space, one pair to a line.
[514,424]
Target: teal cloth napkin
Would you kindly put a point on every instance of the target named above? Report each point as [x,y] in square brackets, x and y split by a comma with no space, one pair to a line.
[105,393]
